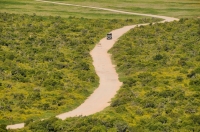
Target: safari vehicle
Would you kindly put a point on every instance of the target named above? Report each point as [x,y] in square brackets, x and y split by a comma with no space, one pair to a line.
[109,36]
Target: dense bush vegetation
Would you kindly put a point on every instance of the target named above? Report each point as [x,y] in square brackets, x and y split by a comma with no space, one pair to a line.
[159,65]
[160,68]
[45,66]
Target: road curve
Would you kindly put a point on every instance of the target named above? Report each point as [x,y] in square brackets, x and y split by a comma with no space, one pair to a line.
[109,83]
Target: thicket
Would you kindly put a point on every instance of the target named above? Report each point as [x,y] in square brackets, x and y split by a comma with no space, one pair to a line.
[159,66]
[45,66]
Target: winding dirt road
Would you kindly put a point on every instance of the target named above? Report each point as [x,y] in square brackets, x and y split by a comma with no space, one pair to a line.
[109,83]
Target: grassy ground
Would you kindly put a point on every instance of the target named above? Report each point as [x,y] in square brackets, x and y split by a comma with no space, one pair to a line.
[47,9]
[184,8]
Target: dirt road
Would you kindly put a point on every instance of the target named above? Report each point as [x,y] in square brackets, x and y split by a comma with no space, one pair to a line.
[109,83]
